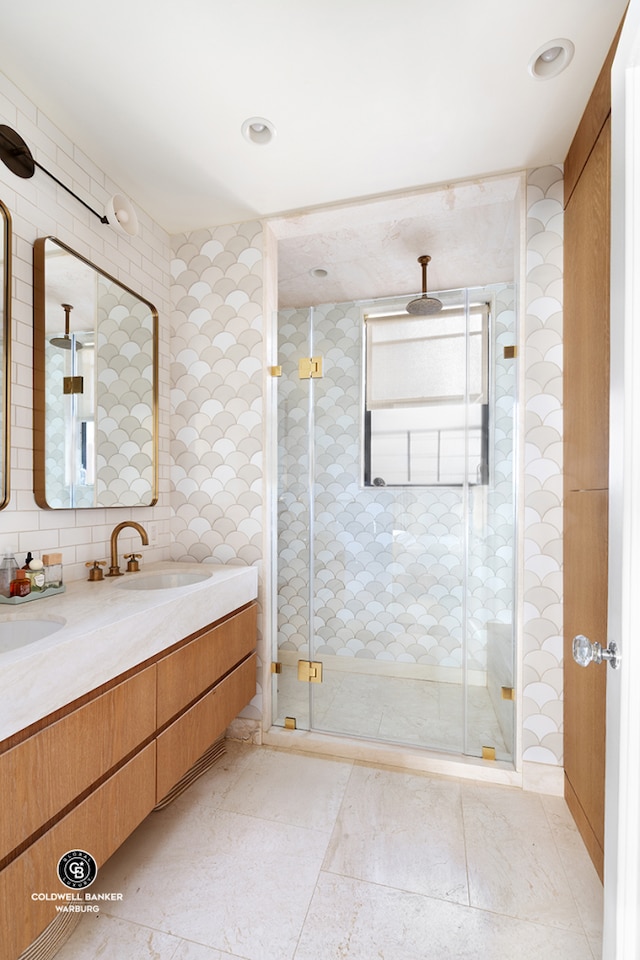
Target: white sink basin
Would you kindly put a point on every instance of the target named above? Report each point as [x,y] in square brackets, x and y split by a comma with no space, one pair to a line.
[19,633]
[164,580]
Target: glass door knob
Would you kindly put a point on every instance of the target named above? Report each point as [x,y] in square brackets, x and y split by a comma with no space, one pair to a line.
[585,652]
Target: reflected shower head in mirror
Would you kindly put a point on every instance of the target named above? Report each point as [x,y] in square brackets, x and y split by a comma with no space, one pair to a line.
[424,306]
[66,342]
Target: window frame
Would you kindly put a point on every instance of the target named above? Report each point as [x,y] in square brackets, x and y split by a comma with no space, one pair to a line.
[481,398]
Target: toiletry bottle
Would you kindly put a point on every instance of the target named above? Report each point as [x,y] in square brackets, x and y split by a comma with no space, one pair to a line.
[52,569]
[8,569]
[20,586]
[35,573]
[27,561]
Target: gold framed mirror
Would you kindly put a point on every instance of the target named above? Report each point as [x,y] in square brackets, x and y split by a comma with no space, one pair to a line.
[95,381]
[5,347]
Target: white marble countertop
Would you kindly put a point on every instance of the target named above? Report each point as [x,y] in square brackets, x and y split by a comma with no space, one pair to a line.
[105,631]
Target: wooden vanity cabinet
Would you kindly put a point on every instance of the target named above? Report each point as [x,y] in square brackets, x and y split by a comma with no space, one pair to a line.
[98,825]
[56,765]
[87,778]
[215,673]
[185,740]
[204,660]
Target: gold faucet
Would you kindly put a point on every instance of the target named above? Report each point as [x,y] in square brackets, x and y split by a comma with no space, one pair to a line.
[114,569]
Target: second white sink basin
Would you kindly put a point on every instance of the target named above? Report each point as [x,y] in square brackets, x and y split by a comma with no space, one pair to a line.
[19,633]
[165,580]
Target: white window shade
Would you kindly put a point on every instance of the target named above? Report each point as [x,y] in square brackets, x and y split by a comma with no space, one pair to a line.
[424,359]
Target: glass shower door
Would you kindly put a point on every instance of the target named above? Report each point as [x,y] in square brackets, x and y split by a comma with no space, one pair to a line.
[400,592]
[291,698]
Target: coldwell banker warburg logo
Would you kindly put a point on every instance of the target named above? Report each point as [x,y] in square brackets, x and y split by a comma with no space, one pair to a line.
[77,870]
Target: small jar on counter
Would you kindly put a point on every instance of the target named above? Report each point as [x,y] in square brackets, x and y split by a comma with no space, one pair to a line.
[8,569]
[35,573]
[20,586]
[52,569]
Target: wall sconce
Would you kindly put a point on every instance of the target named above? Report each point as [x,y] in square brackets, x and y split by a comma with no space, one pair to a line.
[15,155]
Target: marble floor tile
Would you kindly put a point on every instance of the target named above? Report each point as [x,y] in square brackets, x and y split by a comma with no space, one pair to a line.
[397,709]
[355,920]
[514,865]
[580,872]
[233,871]
[110,938]
[219,883]
[302,790]
[196,951]
[401,829]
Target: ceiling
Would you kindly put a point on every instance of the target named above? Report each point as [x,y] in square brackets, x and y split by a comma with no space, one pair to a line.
[370,249]
[369,98]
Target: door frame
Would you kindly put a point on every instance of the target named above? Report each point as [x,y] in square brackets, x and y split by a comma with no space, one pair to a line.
[621,939]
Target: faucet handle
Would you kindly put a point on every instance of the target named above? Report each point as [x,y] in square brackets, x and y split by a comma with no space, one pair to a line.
[133,566]
[95,573]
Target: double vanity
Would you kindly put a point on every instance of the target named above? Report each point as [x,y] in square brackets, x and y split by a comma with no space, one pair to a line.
[109,694]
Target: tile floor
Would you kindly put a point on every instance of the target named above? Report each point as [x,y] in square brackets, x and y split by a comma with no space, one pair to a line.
[424,713]
[274,855]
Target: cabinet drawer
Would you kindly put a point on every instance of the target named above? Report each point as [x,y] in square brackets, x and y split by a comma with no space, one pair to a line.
[181,744]
[57,764]
[185,674]
[98,825]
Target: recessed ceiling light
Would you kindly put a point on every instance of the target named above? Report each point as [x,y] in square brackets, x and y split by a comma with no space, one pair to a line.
[551,59]
[258,130]
[319,272]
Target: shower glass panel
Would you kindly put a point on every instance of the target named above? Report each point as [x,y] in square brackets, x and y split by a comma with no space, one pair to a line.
[400,591]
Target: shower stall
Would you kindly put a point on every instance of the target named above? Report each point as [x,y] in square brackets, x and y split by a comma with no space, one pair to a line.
[396,522]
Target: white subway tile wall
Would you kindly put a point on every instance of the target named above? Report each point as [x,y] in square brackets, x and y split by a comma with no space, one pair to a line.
[40,208]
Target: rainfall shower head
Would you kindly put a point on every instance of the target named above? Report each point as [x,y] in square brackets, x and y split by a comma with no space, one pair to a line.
[424,306]
[66,342]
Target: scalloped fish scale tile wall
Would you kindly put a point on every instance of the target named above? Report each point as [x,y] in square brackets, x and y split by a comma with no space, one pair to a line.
[217,395]
[389,563]
[124,413]
[542,482]
[202,396]
[217,398]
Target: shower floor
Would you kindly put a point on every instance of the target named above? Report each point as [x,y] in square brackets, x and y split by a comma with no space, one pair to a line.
[424,713]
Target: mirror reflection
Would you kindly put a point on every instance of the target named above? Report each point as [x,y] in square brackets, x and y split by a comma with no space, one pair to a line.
[5,348]
[95,385]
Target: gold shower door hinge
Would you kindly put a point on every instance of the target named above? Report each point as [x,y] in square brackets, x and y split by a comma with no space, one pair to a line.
[309,367]
[310,671]
[72,385]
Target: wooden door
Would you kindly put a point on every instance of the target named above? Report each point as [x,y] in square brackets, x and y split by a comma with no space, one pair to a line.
[586,468]
[585,611]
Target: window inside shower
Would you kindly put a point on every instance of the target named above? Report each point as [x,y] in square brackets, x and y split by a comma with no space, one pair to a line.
[426,397]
